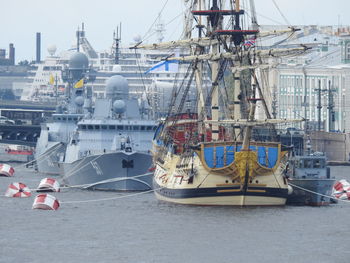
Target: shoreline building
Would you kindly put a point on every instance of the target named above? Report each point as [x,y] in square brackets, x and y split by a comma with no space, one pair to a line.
[315,86]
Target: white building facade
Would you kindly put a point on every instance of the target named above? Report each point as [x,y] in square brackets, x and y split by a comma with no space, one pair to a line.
[318,81]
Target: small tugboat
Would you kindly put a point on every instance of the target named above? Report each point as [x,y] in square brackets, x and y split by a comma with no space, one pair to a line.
[17,153]
[310,178]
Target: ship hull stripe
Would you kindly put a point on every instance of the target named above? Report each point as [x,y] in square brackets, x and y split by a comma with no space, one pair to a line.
[219,192]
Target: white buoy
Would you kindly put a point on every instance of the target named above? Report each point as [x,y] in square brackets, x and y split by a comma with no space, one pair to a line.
[46,202]
[6,170]
[342,185]
[18,190]
[341,190]
[48,185]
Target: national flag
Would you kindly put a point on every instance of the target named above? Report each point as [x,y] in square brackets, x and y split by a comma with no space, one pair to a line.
[166,65]
[79,84]
[249,43]
[52,79]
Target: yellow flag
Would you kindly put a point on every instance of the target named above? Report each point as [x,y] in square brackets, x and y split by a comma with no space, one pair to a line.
[79,84]
[52,79]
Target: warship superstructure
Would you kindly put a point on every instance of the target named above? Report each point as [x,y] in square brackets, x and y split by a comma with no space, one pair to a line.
[110,150]
[55,133]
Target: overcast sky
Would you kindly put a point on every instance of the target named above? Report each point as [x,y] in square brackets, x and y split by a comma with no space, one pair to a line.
[58,20]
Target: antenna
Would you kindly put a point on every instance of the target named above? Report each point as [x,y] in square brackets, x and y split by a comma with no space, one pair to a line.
[117,38]
[78,39]
[160,29]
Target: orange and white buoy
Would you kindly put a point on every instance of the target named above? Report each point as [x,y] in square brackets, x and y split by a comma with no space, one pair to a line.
[6,170]
[48,185]
[46,202]
[18,190]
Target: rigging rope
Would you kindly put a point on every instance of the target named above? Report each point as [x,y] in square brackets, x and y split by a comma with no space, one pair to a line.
[279,10]
[151,27]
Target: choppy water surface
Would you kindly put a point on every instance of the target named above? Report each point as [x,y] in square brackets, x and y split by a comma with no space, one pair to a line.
[140,229]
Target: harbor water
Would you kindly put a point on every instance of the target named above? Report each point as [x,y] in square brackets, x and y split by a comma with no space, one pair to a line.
[97,226]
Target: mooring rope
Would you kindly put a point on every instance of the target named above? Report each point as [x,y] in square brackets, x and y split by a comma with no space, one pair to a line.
[105,199]
[110,198]
[78,167]
[85,186]
[41,157]
[328,196]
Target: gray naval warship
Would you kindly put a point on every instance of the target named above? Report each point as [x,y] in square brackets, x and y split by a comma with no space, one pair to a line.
[310,177]
[56,132]
[110,150]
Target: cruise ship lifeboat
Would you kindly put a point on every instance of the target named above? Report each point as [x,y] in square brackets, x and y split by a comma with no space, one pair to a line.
[48,185]
[6,170]
[18,190]
[46,202]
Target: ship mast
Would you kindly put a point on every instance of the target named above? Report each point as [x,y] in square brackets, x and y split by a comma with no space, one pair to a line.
[215,18]
[215,25]
[237,85]
[198,67]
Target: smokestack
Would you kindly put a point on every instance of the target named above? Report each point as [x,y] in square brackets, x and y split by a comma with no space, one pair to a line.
[12,54]
[38,47]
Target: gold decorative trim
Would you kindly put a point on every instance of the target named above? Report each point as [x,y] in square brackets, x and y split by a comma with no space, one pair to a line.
[223,185]
[256,191]
[229,190]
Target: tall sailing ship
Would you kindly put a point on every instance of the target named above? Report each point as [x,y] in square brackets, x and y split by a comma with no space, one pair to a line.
[205,154]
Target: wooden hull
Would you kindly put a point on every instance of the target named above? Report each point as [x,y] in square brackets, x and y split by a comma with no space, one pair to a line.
[217,199]
[185,180]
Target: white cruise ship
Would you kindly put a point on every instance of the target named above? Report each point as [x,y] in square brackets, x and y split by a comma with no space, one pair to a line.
[45,78]
[46,81]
